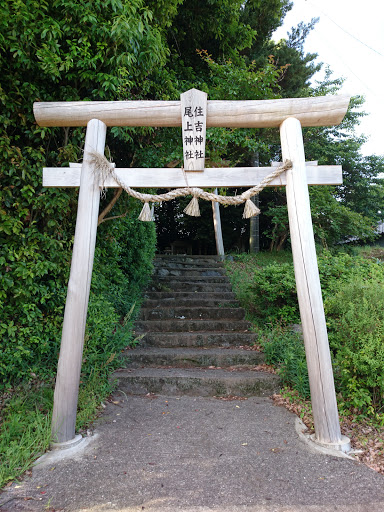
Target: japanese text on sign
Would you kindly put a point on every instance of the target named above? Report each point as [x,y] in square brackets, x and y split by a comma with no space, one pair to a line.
[193,110]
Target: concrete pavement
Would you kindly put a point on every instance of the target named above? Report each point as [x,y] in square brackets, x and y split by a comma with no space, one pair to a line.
[193,454]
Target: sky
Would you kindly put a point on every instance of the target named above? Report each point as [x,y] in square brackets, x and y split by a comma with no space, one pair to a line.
[349,38]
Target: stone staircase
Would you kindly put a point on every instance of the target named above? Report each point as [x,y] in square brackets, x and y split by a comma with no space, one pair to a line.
[196,341]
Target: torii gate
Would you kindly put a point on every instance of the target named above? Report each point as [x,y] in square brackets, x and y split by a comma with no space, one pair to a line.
[287,114]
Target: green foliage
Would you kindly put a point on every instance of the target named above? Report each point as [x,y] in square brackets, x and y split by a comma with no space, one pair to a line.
[61,51]
[353,291]
[300,67]
[265,286]
[213,25]
[265,283]
[123,266]
[32,289]
[25,429]
[31,337]
[355,318]
[284,349]
[333,221]
[274,293]
[92,393]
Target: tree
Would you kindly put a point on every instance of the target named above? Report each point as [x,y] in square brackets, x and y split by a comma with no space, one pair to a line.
[349,211]
[346,212]
[59,50]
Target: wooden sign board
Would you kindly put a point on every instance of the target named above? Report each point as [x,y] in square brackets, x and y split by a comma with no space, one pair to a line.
[194,127]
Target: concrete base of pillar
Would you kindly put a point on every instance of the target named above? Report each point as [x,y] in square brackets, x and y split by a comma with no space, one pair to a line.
[342,449]
[343,446]
[67,444]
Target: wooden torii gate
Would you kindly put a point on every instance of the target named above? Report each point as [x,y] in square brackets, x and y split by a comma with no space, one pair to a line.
[287,114]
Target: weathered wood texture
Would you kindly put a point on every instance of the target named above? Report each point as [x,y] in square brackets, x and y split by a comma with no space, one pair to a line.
[323,396]
[317,111]
[72,341]
[217,227]
[211,177]
[194,127]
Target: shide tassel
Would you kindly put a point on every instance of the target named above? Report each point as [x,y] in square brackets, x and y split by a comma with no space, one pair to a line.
[146,214]
[193,208]
[250,209]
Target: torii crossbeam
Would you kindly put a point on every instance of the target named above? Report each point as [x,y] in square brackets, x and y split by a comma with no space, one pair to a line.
[287,114]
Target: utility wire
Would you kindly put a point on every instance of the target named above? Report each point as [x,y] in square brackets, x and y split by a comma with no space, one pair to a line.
[341,28]
[345,64]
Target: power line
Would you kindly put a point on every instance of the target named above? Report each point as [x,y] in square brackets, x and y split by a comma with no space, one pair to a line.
[332,48]
[346,31]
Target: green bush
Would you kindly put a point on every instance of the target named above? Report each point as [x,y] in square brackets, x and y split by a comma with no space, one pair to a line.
[32,298]
[355,316]
[36,223]
[353,291]
[341,267]
[123,266]
[284,349]
[267,288]
[274,292]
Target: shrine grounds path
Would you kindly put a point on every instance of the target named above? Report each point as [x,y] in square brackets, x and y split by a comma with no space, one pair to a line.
[163,454]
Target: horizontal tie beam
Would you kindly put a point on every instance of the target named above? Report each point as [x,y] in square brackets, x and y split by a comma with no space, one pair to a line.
[175,177]
[316,111]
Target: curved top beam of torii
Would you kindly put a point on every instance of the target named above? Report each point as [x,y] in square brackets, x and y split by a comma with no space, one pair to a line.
[316,111]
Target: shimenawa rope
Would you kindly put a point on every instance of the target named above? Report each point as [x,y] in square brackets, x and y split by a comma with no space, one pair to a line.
[103,169]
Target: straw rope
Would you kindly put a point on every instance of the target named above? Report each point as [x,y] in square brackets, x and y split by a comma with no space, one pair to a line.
[103,168]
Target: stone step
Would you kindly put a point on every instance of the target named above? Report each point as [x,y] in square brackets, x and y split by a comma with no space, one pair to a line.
[187,357]
[188,271]
[178,263]
[196,265]
[181,325]
[188,295]
[193,336]
[196,382]
[191,313]
[174,286]
[190,302]
[199,339]
[187,279]
[165,259]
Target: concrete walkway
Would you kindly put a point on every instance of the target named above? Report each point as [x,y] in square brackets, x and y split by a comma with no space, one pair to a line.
[189,454]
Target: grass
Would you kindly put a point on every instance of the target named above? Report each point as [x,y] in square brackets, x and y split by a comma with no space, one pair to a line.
[25,411]
[25,421]
[25,428]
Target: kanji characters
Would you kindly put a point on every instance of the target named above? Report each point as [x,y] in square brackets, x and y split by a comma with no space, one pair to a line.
[188,155]
[189,127]
[188,140]
[193,134]
[199,112]
[188,112]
